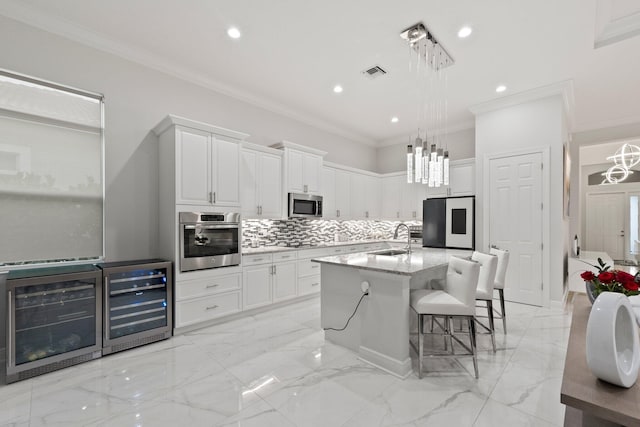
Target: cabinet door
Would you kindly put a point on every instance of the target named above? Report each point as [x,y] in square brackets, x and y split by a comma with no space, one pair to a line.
[193,167]
[358,195]
[285,281]
[462,179]
[312,173]
[342,194]
[329,204]
[256,285]
[249,184]
[226,172]
[372,197]
[391,196]
[270,186]
[295,175]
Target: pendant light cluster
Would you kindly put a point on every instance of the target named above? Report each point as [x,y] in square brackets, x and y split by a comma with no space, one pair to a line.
[624,159]
[429,163]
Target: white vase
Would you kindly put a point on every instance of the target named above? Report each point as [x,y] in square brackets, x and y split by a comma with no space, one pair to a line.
[613,347]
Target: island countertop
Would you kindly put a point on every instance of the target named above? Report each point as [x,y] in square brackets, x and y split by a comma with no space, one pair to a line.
[418,261]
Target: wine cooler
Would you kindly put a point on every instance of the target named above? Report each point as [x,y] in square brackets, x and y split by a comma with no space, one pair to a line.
[53,319]
[137,303]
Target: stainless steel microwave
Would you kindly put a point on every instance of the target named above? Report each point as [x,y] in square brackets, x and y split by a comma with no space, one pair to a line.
[305,206]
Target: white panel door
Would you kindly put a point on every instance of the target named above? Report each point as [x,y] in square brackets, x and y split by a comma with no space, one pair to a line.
[605,224]
[285,281]
[270,186]
[226,172]
[342,193]
[295,173]
[358,196]
[312,173]
[249,184]
[515,222]
[329,206]
[256,285]
[392,197]
[372,197]
[193,174]
[462,179]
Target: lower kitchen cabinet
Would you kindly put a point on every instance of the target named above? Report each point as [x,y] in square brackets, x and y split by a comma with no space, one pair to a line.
[269,278]
[285,281]
[207,298]
[256,285]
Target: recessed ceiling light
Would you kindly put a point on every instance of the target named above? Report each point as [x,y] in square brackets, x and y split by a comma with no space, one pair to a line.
[501,88]
[394,120]
[337,89]
[234,33]
[464,32]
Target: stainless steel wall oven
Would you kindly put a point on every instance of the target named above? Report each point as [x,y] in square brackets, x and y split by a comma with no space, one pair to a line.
[209,240]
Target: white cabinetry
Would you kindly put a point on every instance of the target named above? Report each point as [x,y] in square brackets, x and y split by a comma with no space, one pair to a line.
[268,278]
[365,196]
[336,193]
[401,200]
[461,180]
[261,182]
[302,168]
[207,168]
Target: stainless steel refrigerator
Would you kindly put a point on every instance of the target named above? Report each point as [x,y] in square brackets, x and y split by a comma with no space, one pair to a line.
[449,222]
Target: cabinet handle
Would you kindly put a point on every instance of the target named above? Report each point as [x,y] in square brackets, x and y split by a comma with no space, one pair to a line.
[366,214]
[213,307]
[211,286]
[257,259]
[398,214]
[306,188]
[214,197]
[210,197]
[274,269]
[315,266]
[338,213]
[285,256]
[10,350]
[315,284]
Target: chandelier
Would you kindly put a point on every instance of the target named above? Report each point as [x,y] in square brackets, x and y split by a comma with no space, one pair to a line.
[428,163]
[624,159]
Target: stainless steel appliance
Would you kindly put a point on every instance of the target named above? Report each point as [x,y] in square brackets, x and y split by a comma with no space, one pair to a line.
[53,319]
[137,303]
[209,240]
[305,206]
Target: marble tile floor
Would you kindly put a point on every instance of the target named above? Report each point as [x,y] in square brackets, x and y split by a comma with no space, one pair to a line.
[275,369]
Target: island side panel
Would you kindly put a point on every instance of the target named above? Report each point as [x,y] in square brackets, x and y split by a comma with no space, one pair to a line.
[385,326]
[339,296]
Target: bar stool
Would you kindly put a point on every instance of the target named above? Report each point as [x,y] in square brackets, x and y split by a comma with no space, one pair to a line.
[456,299]
[484,292]
[501,273]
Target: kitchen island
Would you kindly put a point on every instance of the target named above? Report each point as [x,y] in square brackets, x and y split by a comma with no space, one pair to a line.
[379,329]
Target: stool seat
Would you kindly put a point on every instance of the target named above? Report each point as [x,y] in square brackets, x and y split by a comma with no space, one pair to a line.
[437,302]
[484,294]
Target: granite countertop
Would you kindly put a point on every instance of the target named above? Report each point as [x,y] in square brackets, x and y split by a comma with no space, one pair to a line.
[269,249]
[419,260]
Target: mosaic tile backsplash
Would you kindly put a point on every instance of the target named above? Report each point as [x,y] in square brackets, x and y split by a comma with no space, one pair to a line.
[302,231]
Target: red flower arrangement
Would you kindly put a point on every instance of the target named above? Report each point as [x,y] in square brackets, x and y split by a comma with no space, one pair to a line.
[612,280]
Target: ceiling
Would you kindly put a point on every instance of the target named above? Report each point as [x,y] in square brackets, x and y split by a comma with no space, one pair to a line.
[292,53]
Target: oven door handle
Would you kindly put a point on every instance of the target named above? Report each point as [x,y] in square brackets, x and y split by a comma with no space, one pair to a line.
[211,227]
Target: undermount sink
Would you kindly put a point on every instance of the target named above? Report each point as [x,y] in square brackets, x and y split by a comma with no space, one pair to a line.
[390,252]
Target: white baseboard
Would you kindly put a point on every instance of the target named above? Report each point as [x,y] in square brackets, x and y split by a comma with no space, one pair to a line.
[399,368]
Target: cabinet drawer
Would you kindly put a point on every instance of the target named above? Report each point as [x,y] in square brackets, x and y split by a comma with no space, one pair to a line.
[308,285]
[308,268]
[206,286]
[313,253]
[337,250]
[257,259]
[207,308]
[285,256]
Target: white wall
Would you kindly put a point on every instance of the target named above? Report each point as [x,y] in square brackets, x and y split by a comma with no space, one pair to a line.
[461,145]
[136,99]
[535,124]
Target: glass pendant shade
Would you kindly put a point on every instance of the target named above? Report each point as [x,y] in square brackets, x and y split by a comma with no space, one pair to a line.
[418,162]
[409,163]
[445,169]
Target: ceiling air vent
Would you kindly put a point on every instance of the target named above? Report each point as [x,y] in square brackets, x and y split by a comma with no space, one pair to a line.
[373,72]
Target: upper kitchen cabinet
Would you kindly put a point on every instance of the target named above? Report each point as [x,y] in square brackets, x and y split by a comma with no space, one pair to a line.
[261,182]
[401,200]
[461,180]
[335,193]
[302,168]
[204,159]
[365,196]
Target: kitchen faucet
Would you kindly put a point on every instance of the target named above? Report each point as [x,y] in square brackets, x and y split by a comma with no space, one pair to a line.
[395,236]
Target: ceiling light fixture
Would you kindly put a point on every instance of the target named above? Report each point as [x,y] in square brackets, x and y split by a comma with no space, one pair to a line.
[624,159]
[501,88]
[464,32]
[234,33]
[429,164]
[394,120]
[337,89]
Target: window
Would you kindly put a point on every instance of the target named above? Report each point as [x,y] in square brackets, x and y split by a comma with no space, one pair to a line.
[51,172]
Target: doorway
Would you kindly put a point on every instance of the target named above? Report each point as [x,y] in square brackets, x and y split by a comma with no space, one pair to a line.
[605,218]
[515,222]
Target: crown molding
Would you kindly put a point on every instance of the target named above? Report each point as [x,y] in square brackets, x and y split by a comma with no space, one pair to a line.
[36,18]
[564,89]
